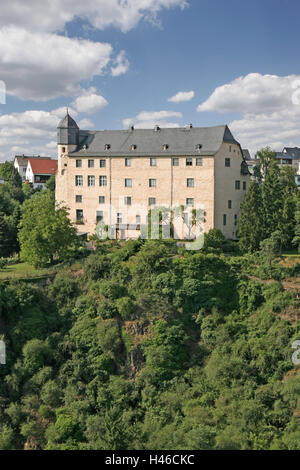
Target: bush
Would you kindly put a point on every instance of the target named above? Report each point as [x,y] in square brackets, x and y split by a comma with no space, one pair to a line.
[213,241]
[3,263]
[96,267]
[126,307]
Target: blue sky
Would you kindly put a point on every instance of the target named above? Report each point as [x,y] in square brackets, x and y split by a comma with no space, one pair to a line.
[117,63]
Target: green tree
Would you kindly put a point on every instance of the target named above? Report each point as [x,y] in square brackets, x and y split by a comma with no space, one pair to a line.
[165,352]
[51,183]
[10,174]
[296,239]
[266,157]
[250,226]
[272,199]
[45,231]
[286,217]
[270,248]
[213,240]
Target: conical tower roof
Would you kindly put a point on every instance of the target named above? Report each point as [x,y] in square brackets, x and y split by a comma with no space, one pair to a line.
[68,122]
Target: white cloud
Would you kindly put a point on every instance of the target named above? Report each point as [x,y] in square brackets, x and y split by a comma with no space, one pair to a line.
[37,64]
[31,132]
[121,65]
[52,15]
[182,96]
[89,102]
[40,66]
[254,93]
[85,124]
[268,106]
[148,119]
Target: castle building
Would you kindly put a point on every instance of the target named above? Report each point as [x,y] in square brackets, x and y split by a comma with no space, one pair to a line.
[115,178]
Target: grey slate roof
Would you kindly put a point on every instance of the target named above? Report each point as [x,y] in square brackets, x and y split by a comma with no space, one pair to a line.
[292,151]
[246,154]
[67,122]
[22,160]
[180,141]
[284,156]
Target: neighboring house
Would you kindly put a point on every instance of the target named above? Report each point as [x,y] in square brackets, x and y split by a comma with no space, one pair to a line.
[116,177]
[20,163]
[251,162]
[290,156]
[39,171]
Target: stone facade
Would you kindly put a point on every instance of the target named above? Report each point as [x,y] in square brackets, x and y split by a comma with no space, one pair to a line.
[211,178]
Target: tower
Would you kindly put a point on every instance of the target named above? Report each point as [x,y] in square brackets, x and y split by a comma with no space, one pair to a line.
[67,135]
[67,142]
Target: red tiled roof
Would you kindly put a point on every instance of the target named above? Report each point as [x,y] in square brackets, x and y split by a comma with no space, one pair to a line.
[44,166]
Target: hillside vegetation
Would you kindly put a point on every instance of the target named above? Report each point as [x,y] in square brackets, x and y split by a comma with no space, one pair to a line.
[144,345]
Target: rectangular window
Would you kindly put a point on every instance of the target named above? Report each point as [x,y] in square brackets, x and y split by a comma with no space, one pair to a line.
[224,219]
[102,163]
[78,163]
[229,204]
[127,161]
[190,202]
[128,183]
[189,162]
[151,201]
[79,215]
[244,185]
[227,162]
[237,185]
[235,219]
[91,163]
[119,218]
[152,183]
[190,182]
[102,181]
[78,181]
[78,198]
[152,161]
[127,201]
[99,216]
[199,161]
[101,199]
[138,219]
[91,180]
[175,161]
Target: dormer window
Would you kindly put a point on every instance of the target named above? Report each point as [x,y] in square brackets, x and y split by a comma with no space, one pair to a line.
[165,146]
[133,147]
[198,147]
[107,146]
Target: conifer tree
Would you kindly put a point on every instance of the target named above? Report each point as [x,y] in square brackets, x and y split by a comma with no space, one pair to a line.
[296,239]
[272,199]
[250,228]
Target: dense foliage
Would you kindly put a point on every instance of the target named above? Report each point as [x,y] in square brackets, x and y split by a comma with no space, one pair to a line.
[270,205]
[45,230]
[149,346]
